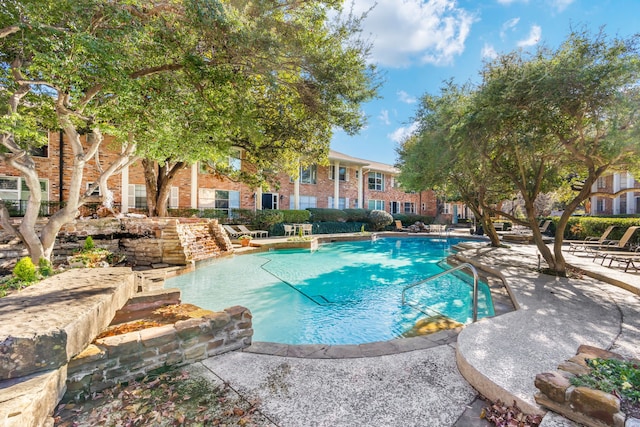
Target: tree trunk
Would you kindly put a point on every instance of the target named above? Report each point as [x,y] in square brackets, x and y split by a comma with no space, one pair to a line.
[158,179]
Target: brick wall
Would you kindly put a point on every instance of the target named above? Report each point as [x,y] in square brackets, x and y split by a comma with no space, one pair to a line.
[121,358]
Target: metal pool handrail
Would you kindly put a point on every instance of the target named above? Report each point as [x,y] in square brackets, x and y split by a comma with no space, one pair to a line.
[451,270]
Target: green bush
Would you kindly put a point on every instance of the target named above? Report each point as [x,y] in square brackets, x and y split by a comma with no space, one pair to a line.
[295,216]
[266,219]
[44,267]
[214,214]
[410,219]
[329,227]
[183,212]
[25,270]
[357,215]
[379,219]
[88,243]
[581,227]
[330,215]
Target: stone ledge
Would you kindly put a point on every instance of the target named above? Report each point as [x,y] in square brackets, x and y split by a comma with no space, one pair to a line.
[30,401]
[44,326]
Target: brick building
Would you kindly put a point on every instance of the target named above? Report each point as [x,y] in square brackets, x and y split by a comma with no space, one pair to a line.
[347,182]
[628,203]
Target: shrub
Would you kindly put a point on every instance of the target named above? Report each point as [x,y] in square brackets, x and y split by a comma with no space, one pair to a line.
[321,215]
[214,213]
[183,212]
[357,215]
[410,219]
[379,219]
[88,244]
[580,227]
[338,227]
[266,219]
[295,216]
[44,267]
[25,270]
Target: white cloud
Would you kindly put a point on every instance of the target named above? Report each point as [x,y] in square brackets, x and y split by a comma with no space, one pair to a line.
[509,25]
[402,133]
[384,117]
[408,31]
[406,98]
[561,5]
[488,51]
[533,38]
[508,2]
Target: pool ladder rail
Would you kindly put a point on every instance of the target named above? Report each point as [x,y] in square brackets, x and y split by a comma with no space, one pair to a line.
[444,273]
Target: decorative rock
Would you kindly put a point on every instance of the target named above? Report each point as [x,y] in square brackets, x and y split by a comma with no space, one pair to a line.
[595,403]
[574,368]
[553,385]
[597,353]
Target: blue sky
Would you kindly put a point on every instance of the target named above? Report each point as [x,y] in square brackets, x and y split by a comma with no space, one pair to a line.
[418,44]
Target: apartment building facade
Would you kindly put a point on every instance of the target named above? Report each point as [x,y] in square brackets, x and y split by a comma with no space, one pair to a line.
[347,182]
[628,203]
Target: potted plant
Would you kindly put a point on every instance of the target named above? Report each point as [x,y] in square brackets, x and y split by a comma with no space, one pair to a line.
[245,239]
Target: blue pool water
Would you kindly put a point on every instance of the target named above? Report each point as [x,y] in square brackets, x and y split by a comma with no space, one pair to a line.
[342,293]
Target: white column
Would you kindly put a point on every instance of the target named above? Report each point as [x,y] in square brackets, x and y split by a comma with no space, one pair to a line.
[124,193]
[616,188]
[258,194]
[631,206]
[594,199]
[296,193]
[360,188]
[194,186]
[336,185]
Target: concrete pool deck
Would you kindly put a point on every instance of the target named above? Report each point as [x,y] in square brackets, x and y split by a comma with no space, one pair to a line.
[421,383]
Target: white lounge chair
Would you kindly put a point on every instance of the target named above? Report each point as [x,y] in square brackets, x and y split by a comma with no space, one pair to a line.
[252,233]
[232,232]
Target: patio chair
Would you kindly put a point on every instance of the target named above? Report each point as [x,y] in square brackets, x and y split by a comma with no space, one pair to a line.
[591,241]
[628,259]
[307,229]
[289,230]
[253,233]
[617,247]
[232,232]
[545,226]
[399,226]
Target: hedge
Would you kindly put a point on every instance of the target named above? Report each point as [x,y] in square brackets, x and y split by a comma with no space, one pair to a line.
[357,215]
[327,215]
[410,219]
[295,216]
[581,227]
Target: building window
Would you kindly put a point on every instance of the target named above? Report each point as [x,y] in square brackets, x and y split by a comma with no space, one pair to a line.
[233,163]
[42,151]
[424,207]
[601,205]
[174,201]
[395,207]
[137,196]
[304,202]
[342,172]
[226,201]
[96,189]
[446,208]
[623,204]
[308,175]
[235,160]
[623,180]
[9,188]
[602,183]
[376,205]
[342,203]
[409,207]
[376,181]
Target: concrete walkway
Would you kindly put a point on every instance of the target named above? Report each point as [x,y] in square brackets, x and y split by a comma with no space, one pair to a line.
[423,387]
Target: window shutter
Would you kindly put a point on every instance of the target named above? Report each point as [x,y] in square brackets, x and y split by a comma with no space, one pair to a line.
[132,195]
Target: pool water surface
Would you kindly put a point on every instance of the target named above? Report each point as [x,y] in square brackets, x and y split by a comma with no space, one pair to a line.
[342,293]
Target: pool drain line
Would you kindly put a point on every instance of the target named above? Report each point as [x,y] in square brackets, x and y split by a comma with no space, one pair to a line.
[292,286]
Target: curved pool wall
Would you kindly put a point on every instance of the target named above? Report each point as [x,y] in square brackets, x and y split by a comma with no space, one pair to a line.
[342,293]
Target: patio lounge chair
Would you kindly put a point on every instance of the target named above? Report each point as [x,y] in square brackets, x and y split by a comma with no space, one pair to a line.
[628,259]
[545,226]
[253,233]
[399,226]
[617,248]
[232,232]
[583,245]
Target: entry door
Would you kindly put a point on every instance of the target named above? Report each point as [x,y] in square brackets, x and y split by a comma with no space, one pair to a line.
[269,201]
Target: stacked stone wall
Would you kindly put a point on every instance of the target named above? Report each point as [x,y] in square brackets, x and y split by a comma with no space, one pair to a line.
[125,357]
[592,408]
[149,241]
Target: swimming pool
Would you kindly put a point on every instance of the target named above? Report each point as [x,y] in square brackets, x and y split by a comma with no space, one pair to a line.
[342,293]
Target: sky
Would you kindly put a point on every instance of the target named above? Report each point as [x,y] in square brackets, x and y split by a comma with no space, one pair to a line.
[419,44]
